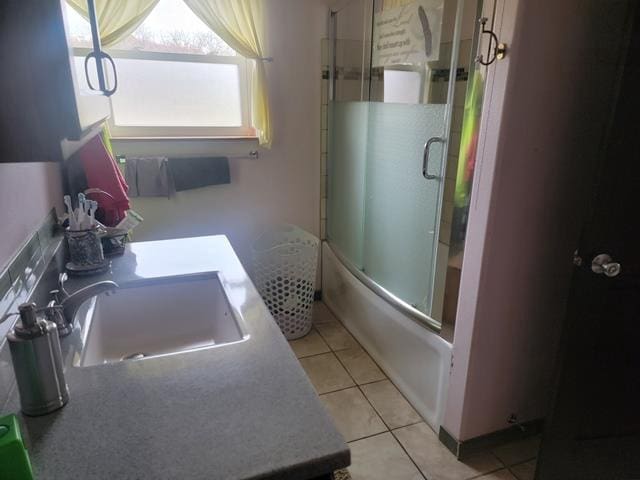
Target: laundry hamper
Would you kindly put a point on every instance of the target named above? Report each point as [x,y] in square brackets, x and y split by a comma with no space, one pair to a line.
[285,259]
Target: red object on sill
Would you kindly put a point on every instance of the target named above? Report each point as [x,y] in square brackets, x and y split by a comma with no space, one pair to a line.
[103,173]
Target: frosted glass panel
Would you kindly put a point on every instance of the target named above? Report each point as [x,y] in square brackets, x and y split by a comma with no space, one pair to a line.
[177,94]
[346,170]
[401,205]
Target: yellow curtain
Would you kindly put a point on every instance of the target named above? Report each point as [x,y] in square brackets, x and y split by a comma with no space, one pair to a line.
[240,23]
[116,18]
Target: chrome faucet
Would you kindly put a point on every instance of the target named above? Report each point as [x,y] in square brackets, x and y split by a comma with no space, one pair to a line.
[63,307]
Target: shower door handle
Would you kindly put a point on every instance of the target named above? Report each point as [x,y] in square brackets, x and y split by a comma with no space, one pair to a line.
[425,157]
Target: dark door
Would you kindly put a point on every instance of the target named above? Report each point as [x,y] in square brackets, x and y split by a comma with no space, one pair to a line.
[593,431]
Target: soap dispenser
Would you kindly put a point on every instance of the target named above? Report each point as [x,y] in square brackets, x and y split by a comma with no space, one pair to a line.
[37,363]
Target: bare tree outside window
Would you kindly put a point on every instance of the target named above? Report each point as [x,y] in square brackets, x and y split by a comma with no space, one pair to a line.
[171,27]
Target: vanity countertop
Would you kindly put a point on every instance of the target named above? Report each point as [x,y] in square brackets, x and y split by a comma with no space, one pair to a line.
[241,411]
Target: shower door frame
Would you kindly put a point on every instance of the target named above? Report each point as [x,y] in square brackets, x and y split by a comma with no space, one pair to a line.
[398,303]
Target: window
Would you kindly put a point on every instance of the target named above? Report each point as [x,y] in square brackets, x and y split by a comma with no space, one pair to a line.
[176,77]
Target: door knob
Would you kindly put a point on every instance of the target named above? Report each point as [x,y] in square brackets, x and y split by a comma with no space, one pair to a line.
[603,263]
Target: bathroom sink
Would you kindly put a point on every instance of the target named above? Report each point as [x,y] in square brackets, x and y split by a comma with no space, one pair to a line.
[174,315]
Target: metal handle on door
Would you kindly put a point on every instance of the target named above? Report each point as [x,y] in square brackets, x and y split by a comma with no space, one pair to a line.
[604,264]
[110,91]
[425,157]
[89,56]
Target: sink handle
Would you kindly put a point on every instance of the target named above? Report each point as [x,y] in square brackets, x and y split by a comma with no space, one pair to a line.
[62,278]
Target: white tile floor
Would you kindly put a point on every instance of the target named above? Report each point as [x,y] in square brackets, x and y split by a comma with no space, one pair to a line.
[387,437]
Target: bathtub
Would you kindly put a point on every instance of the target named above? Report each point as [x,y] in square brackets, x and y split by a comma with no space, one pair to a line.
[416,359]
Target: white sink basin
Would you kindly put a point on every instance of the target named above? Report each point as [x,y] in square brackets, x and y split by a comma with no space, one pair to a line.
[175,315]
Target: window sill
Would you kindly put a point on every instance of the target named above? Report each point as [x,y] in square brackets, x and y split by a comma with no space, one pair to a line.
[187,138]
[184,146]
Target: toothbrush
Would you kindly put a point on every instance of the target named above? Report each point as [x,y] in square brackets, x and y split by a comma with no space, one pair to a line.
[70,212]
[81,211]
[93,206]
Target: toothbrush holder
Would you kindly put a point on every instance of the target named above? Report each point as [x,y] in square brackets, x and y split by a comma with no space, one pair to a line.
[85,246]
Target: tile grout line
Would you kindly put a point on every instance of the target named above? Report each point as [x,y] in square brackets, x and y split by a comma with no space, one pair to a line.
[338,349]
[520,463]
[369,383]
[366,437]
[406,452]
[489,473]
[408,425]
[362,392]
[335,391]
[389,430]
[425,475]
[372,359]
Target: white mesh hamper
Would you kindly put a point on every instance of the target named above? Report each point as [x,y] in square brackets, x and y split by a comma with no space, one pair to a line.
[285,258]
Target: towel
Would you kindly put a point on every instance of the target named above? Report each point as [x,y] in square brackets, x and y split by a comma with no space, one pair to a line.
[131,176]
[148,176]
[103,174]
[189,173]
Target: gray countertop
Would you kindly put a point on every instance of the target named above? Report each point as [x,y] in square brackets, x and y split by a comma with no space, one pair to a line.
[241,411]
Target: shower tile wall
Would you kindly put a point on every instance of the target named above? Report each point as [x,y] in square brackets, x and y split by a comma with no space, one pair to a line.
[324,124]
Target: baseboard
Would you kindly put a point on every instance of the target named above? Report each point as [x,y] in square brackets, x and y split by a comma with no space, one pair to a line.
[463,449]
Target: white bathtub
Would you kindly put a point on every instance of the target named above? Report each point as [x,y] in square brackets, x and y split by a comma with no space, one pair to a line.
[416,359]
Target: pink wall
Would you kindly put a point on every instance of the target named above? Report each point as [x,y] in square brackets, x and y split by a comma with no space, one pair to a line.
[545,114]
[28,191]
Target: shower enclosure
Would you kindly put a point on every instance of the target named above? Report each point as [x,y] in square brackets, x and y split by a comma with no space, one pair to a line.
[405,98]
[393,71]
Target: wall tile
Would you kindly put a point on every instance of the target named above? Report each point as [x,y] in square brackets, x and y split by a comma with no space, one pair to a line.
[460,93]
[452,165]
[23,260]
[456,120]
[324,52]
[17,285]
[445,233]
[5,284]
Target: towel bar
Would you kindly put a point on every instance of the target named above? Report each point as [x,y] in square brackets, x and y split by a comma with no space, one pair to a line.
[253,154]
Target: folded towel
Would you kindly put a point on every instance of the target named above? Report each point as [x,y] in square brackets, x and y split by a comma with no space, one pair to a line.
[102,173]
[189,173]
[148,176]
[131,177]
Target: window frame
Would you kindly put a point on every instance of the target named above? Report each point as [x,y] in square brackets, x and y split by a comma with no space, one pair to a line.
[131,131]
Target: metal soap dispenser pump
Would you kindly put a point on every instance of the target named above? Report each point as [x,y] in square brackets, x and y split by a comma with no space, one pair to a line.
[37,363]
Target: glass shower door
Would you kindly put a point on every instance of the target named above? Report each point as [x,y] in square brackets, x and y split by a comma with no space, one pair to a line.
[389,118]
[401,205]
